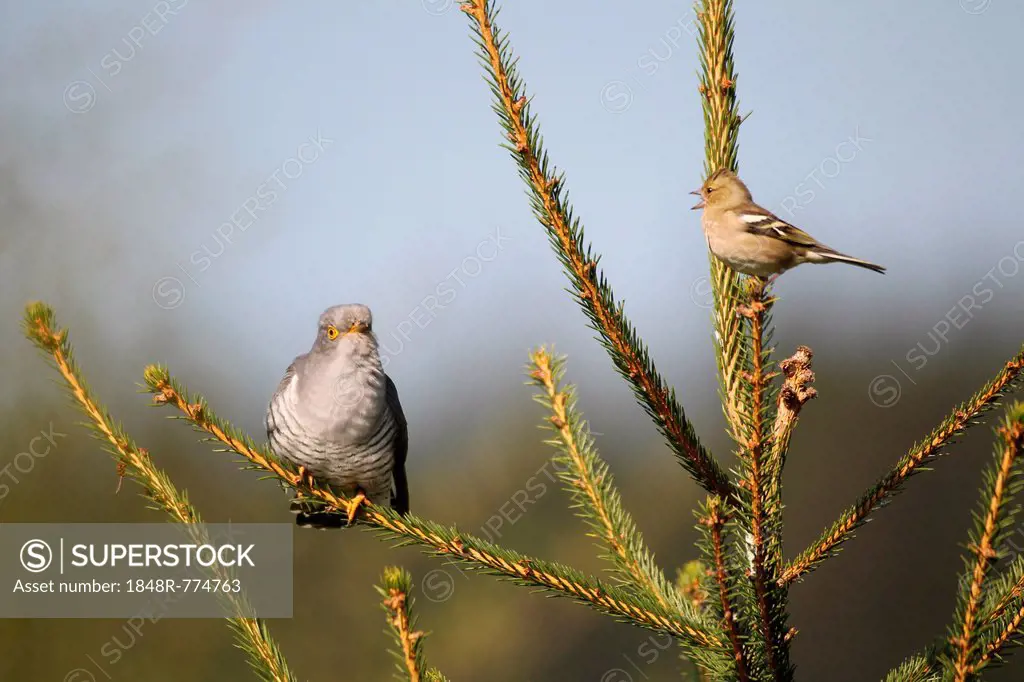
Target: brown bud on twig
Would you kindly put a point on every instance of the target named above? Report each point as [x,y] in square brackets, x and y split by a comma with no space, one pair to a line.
[797,389]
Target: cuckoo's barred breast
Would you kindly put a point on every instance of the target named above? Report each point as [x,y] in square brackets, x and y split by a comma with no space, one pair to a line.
[366,464]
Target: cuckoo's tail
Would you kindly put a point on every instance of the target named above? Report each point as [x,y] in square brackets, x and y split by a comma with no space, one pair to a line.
[307,516]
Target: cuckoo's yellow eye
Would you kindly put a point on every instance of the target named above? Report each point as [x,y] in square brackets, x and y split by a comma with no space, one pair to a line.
[332,332]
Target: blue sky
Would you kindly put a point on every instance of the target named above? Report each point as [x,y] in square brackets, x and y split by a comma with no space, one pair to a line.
[137,131]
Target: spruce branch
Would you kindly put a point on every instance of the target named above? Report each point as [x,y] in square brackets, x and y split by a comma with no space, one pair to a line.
[1001,616]
[1004,593]
[986,541]
[591,290]
[796,390]
[251,634]
[694,633]
[587,478]
[1005,635]
[714,523]
[916,669]
[763,523]
[716,33]
[434,675]
[689,583]
[973,644]
[962,417]
[396,593]
[742,342]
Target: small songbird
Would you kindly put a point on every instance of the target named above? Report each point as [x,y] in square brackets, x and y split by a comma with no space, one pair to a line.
[751,239]
[337,416]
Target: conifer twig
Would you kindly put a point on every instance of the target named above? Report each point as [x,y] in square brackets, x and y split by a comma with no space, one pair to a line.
[916,669]
[796,390]
[715,522]
[931,447]
[592,291]
[765,523]
[442,541]
[251,633]
[589,481]
[972,649]
[985,546]
[1012,628]
[721,131]
[1002,612]
[396,593]
[434,675]
[742,350]
[1009,595]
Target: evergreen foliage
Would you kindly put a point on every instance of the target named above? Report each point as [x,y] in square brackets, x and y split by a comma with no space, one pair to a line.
[728,609]
[396,598]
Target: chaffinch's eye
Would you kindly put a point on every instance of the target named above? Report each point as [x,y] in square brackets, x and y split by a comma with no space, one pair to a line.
[332,332]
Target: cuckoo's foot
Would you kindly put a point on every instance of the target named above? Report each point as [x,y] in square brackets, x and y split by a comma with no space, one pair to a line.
[353,507]
[305,478]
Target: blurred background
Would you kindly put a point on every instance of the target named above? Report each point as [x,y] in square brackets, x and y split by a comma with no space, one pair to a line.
[193,183]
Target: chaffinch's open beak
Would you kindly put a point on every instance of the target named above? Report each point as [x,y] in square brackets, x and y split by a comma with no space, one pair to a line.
[700,204]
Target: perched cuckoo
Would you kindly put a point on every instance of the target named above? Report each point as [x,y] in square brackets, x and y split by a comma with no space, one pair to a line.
[336,415]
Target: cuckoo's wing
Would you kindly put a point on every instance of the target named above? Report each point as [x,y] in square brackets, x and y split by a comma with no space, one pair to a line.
[289,375]
[400,493]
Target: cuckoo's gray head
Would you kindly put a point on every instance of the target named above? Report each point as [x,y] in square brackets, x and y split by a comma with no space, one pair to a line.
[345,331]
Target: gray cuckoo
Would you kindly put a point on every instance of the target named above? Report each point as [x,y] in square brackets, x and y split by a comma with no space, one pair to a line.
[336,415]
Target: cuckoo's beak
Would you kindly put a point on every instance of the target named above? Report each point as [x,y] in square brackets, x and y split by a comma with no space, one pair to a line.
[700,204]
